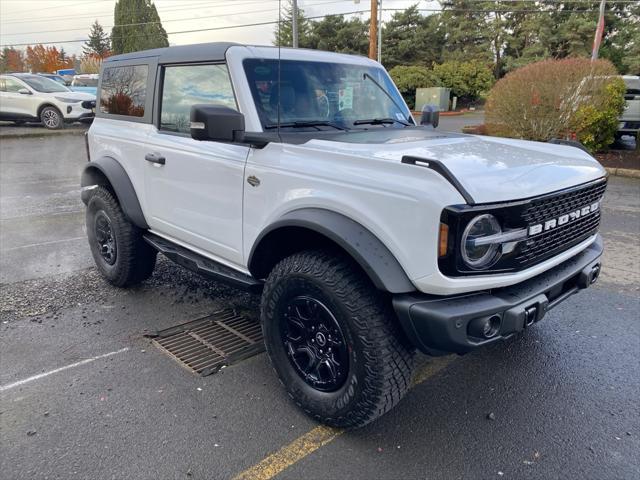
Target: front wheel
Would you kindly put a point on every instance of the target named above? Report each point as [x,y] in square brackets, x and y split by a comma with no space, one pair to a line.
[332,339]
[51,118]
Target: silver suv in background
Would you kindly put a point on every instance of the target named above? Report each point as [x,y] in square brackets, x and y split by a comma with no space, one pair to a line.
[26,97]
[630,119]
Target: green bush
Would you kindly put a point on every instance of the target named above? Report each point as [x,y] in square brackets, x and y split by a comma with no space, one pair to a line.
[595,125]
[467,80]
[556,99]
[408,78]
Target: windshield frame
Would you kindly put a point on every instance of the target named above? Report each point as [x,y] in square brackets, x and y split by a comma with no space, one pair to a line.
[33,79]
[340,76]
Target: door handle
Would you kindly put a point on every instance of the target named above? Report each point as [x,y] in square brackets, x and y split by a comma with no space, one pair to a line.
[155,158]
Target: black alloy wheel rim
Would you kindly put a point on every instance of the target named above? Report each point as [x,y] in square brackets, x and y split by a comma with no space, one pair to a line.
[314,343]
[105,238]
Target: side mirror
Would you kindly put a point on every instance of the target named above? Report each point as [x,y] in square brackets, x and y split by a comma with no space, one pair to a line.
[430,116]
[24,91]
[216,123]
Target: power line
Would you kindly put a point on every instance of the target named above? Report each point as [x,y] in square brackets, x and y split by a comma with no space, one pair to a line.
[61,6]
[273,22]
[200,5]
[166,21]
[313,18]
[485,10]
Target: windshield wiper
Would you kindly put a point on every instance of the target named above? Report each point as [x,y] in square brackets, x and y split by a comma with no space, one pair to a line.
[319,123]
[380,121]
[365,75]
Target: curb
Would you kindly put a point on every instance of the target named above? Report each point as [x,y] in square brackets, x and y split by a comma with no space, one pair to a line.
[43,133]
[623,172]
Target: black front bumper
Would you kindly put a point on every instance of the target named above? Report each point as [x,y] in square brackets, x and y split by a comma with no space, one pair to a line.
[437,325]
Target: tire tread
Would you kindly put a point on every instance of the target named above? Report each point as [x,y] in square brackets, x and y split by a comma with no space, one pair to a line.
[136,258]
[388,357]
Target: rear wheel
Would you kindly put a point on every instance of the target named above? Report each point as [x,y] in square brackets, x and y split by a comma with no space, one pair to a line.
[51,118]
[333,340]
[119,251]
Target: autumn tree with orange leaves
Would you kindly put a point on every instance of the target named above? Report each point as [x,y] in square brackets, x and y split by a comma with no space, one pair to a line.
[41,59]
[11,60]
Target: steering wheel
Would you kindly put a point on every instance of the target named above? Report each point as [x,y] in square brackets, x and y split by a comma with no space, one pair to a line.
[323,105]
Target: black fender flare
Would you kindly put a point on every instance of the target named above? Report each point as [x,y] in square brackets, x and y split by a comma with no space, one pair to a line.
[95,173]
[364,247]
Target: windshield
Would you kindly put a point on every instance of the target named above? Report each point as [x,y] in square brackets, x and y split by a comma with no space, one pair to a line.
[329,94]
[85,82]
[56,79]
[43,84]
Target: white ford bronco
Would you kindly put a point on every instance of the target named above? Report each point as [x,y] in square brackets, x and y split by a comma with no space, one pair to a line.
[303,175]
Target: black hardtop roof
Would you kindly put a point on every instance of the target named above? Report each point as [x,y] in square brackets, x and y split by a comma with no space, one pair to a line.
[200,52]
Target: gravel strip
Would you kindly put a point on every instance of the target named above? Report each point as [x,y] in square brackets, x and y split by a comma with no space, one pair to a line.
[46,297]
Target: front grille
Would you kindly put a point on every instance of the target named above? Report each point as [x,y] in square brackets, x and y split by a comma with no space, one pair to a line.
[556,240]
[89,104]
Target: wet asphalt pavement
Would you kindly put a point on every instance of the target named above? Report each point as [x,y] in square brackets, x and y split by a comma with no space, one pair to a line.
[563,397]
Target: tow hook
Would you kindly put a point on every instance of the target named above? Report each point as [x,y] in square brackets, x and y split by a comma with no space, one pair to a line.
[530,315]
[595,273]
[589,275]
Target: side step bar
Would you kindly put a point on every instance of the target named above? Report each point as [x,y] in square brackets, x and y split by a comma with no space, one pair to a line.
[203,265]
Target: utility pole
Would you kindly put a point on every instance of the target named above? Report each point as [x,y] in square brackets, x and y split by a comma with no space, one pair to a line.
[373,30]
[380,33]
[597,39]
[294,22]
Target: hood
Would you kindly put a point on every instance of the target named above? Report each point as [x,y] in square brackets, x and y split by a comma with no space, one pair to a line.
[73,95]
[90,90]
[491,169]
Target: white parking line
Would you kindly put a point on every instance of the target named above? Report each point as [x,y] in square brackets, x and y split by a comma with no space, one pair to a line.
[45,243]
[57,370]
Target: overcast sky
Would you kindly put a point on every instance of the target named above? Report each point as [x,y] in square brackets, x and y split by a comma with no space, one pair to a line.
[35,21]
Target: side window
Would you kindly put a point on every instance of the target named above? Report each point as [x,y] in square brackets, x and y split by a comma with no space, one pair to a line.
[10,85]
[124,90]
[187,85]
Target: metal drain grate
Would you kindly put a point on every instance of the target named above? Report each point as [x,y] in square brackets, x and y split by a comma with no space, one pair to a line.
[207,344]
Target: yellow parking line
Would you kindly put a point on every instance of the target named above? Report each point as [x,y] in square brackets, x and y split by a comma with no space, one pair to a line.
[290,454]
[319,436]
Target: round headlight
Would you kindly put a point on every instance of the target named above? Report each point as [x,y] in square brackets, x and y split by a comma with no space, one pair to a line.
[475,253]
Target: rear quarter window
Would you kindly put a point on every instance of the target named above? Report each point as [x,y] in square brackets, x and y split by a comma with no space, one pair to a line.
[124,90]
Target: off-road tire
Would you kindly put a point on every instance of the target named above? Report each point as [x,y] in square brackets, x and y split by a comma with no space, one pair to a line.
[51,118]
[380,357]
[134,258]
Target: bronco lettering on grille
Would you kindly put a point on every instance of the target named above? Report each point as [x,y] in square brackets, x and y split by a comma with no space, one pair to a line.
[563,219]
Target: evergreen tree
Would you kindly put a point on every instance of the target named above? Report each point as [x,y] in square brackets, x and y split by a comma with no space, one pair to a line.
[284,34]
[466,31]
[137,27]
[98,43]
[335,34]
[411,38]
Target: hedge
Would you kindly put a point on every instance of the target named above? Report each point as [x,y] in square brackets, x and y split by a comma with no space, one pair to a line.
[558,99]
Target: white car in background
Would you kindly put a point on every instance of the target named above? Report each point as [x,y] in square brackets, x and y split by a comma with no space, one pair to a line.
[26,97]
[630,119]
